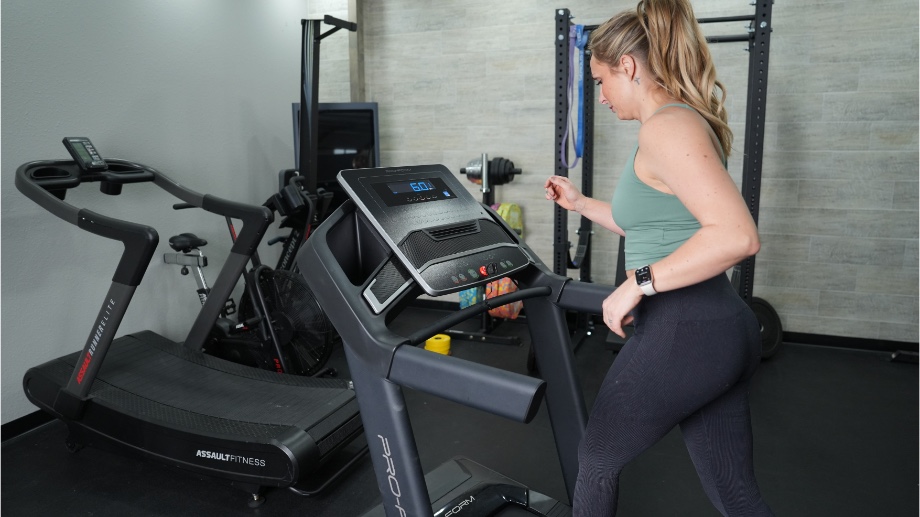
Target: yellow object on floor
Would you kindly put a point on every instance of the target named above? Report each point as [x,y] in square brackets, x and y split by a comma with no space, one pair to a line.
[439,343]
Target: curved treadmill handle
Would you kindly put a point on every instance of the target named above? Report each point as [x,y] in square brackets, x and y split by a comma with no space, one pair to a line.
[39,192]
[139,174]
[140,241]
[256,219]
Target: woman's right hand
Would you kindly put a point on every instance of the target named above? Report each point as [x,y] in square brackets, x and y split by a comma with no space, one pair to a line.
[561,190]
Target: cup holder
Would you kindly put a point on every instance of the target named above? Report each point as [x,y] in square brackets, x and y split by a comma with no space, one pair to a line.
[54,179]
[43,173]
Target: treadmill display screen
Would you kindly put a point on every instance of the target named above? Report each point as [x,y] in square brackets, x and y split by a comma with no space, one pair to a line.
[411,186]
[395,193]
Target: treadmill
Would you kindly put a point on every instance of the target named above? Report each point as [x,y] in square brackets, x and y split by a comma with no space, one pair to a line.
[169,402]
[412,230]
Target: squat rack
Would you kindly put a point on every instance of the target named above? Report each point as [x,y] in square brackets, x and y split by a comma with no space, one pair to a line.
[758,39]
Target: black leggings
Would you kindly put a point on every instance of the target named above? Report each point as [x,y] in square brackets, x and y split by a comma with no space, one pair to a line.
[689,363]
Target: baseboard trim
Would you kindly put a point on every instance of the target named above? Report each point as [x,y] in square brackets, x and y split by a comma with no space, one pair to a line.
[874,345]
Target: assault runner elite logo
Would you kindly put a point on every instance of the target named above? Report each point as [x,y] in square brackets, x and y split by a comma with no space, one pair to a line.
[230,458]
[97,336]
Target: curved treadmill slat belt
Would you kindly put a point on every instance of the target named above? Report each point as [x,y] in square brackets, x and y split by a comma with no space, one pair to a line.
[149,382]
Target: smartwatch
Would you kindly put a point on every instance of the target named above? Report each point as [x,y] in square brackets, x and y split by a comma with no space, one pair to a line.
[644,279]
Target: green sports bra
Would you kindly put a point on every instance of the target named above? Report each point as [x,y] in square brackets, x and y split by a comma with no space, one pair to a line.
[655,223]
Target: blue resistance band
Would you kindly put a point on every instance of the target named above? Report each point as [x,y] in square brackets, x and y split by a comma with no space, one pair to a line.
[578,39]
[581,41]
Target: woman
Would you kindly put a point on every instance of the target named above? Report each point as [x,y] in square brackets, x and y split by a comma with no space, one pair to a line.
[696,343]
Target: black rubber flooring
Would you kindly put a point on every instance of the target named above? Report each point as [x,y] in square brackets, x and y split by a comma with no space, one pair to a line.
[836,434]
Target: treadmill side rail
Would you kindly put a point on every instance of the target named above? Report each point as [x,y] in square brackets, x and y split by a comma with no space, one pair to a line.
[69,401]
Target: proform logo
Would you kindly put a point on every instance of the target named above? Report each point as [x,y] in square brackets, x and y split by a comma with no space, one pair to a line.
[391,475]
[460,506]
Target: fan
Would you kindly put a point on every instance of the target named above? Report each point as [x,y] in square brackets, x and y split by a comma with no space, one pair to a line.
[304,332]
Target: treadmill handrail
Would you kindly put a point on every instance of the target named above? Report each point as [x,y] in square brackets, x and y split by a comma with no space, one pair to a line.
[46,182]
[465,382]
[136,237]
[42,195]
[140,241]
[253,216]
[41,190]
[584,296]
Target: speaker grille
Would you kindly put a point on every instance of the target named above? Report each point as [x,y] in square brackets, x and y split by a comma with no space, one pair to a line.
[389,280]
[421,247]
[448,232]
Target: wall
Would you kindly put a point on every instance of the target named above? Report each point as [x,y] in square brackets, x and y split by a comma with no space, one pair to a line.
[200,90]
[839,199]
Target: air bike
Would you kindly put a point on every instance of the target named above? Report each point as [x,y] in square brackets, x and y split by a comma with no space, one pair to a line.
[413,230]
[169,402]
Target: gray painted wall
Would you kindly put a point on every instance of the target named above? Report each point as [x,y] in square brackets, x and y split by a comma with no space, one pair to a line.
[202,90]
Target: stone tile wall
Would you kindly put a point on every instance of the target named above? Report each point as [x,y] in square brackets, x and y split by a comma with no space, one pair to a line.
[839,204]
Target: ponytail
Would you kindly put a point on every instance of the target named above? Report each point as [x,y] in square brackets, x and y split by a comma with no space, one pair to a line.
[664,35]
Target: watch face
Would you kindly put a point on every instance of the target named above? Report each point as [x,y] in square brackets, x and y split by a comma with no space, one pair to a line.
[643,275]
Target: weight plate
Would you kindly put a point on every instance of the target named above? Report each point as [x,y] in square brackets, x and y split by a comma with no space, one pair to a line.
[771,328]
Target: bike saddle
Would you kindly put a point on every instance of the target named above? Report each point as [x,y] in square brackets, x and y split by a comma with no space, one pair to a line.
[185,242]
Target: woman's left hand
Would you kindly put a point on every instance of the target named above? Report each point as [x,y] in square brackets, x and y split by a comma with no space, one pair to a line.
[618,306]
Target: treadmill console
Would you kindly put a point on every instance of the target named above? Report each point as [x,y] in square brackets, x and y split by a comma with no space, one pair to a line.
[439,234]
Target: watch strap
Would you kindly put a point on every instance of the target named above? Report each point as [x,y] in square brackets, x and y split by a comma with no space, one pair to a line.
[648,289]
[644,279]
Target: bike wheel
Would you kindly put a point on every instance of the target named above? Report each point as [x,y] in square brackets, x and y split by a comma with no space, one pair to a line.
[306,336]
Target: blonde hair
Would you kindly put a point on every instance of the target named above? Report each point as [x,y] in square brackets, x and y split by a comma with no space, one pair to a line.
[665,36]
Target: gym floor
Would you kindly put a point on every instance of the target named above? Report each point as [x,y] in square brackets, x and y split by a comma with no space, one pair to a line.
[836,434]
